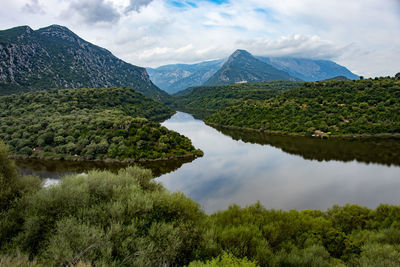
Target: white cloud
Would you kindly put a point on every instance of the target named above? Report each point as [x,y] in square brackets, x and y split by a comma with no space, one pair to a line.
[361,34]
[33,7]
[137,4]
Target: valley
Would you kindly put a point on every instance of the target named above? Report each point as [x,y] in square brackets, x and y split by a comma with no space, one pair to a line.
[240,161]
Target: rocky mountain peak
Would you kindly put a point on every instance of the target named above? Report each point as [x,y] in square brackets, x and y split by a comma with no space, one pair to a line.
[55,57]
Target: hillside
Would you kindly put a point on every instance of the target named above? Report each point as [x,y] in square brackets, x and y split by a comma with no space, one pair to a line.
[241,66]
[204,100]
[89,124]
[177,77]
[55,57]
[362,107]
[309,69]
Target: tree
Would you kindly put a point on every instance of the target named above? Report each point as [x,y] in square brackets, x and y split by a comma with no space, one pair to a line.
[8,178]
[397,76]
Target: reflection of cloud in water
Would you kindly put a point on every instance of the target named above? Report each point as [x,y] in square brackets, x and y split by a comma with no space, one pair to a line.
[237,172]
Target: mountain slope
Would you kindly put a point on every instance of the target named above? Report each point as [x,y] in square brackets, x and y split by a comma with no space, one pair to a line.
[55,57]
[309,69]
[242,66]
[177,77]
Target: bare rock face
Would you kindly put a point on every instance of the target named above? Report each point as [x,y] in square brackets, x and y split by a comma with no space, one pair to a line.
[55,57]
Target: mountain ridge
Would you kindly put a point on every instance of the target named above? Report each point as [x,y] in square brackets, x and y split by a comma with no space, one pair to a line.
[177,77]
[55,57]
[171,78]
[309,70]
[241,66]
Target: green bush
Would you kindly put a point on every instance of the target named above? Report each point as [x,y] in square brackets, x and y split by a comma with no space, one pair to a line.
[225,260]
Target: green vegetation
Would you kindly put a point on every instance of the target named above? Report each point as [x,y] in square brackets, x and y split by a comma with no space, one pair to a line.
[89,124]
[362,107]
[129,219]
[205,100]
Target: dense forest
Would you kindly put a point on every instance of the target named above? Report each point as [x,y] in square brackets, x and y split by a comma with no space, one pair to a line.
[128,219]
[108,123]
[361,107]
[208,99]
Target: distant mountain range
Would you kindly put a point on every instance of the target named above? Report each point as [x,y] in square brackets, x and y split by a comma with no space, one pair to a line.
[241,66]
[177,77]
[309,69]
[55,57]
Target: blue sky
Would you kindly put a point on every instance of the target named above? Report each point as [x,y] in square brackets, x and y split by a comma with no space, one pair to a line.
[363,35]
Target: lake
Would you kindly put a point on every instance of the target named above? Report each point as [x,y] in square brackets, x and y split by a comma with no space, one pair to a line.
[311,174]
[281,172]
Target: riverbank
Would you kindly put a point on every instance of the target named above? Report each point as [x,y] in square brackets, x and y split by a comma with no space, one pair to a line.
[198,153]
[281,133]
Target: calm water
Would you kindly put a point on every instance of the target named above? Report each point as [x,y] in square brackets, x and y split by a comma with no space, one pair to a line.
[280,172]
[311,174]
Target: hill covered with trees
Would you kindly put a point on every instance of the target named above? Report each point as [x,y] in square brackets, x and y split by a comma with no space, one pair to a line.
[362,107]
[89,124]
[205,100]
[129,219]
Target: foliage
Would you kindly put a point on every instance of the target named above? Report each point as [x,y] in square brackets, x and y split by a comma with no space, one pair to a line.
[224,260]
[105,218]
[44,103]
[89,124]
[369,106]
[12,187]
[213,98]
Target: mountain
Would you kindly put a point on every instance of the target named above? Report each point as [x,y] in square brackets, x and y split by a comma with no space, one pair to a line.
[241,66]
[309,69]
[55,57]
[177,77]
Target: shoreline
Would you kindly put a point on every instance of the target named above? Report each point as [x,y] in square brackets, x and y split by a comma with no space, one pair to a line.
[341,136]
[107,160]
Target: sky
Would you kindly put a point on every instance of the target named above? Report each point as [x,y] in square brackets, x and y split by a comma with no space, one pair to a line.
[363,35]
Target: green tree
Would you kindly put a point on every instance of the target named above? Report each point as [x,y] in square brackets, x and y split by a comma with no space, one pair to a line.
[8,178]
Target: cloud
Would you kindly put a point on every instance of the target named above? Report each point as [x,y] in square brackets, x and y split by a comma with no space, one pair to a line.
[33,7]
[294,46]
[135,5]
[360,34]
[93,11]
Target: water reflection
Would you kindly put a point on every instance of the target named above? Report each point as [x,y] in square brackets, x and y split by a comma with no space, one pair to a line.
[233,171]
[369,150]
[57,169]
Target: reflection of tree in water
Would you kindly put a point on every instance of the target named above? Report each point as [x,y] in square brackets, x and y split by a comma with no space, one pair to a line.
[58,169]
[369,150]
